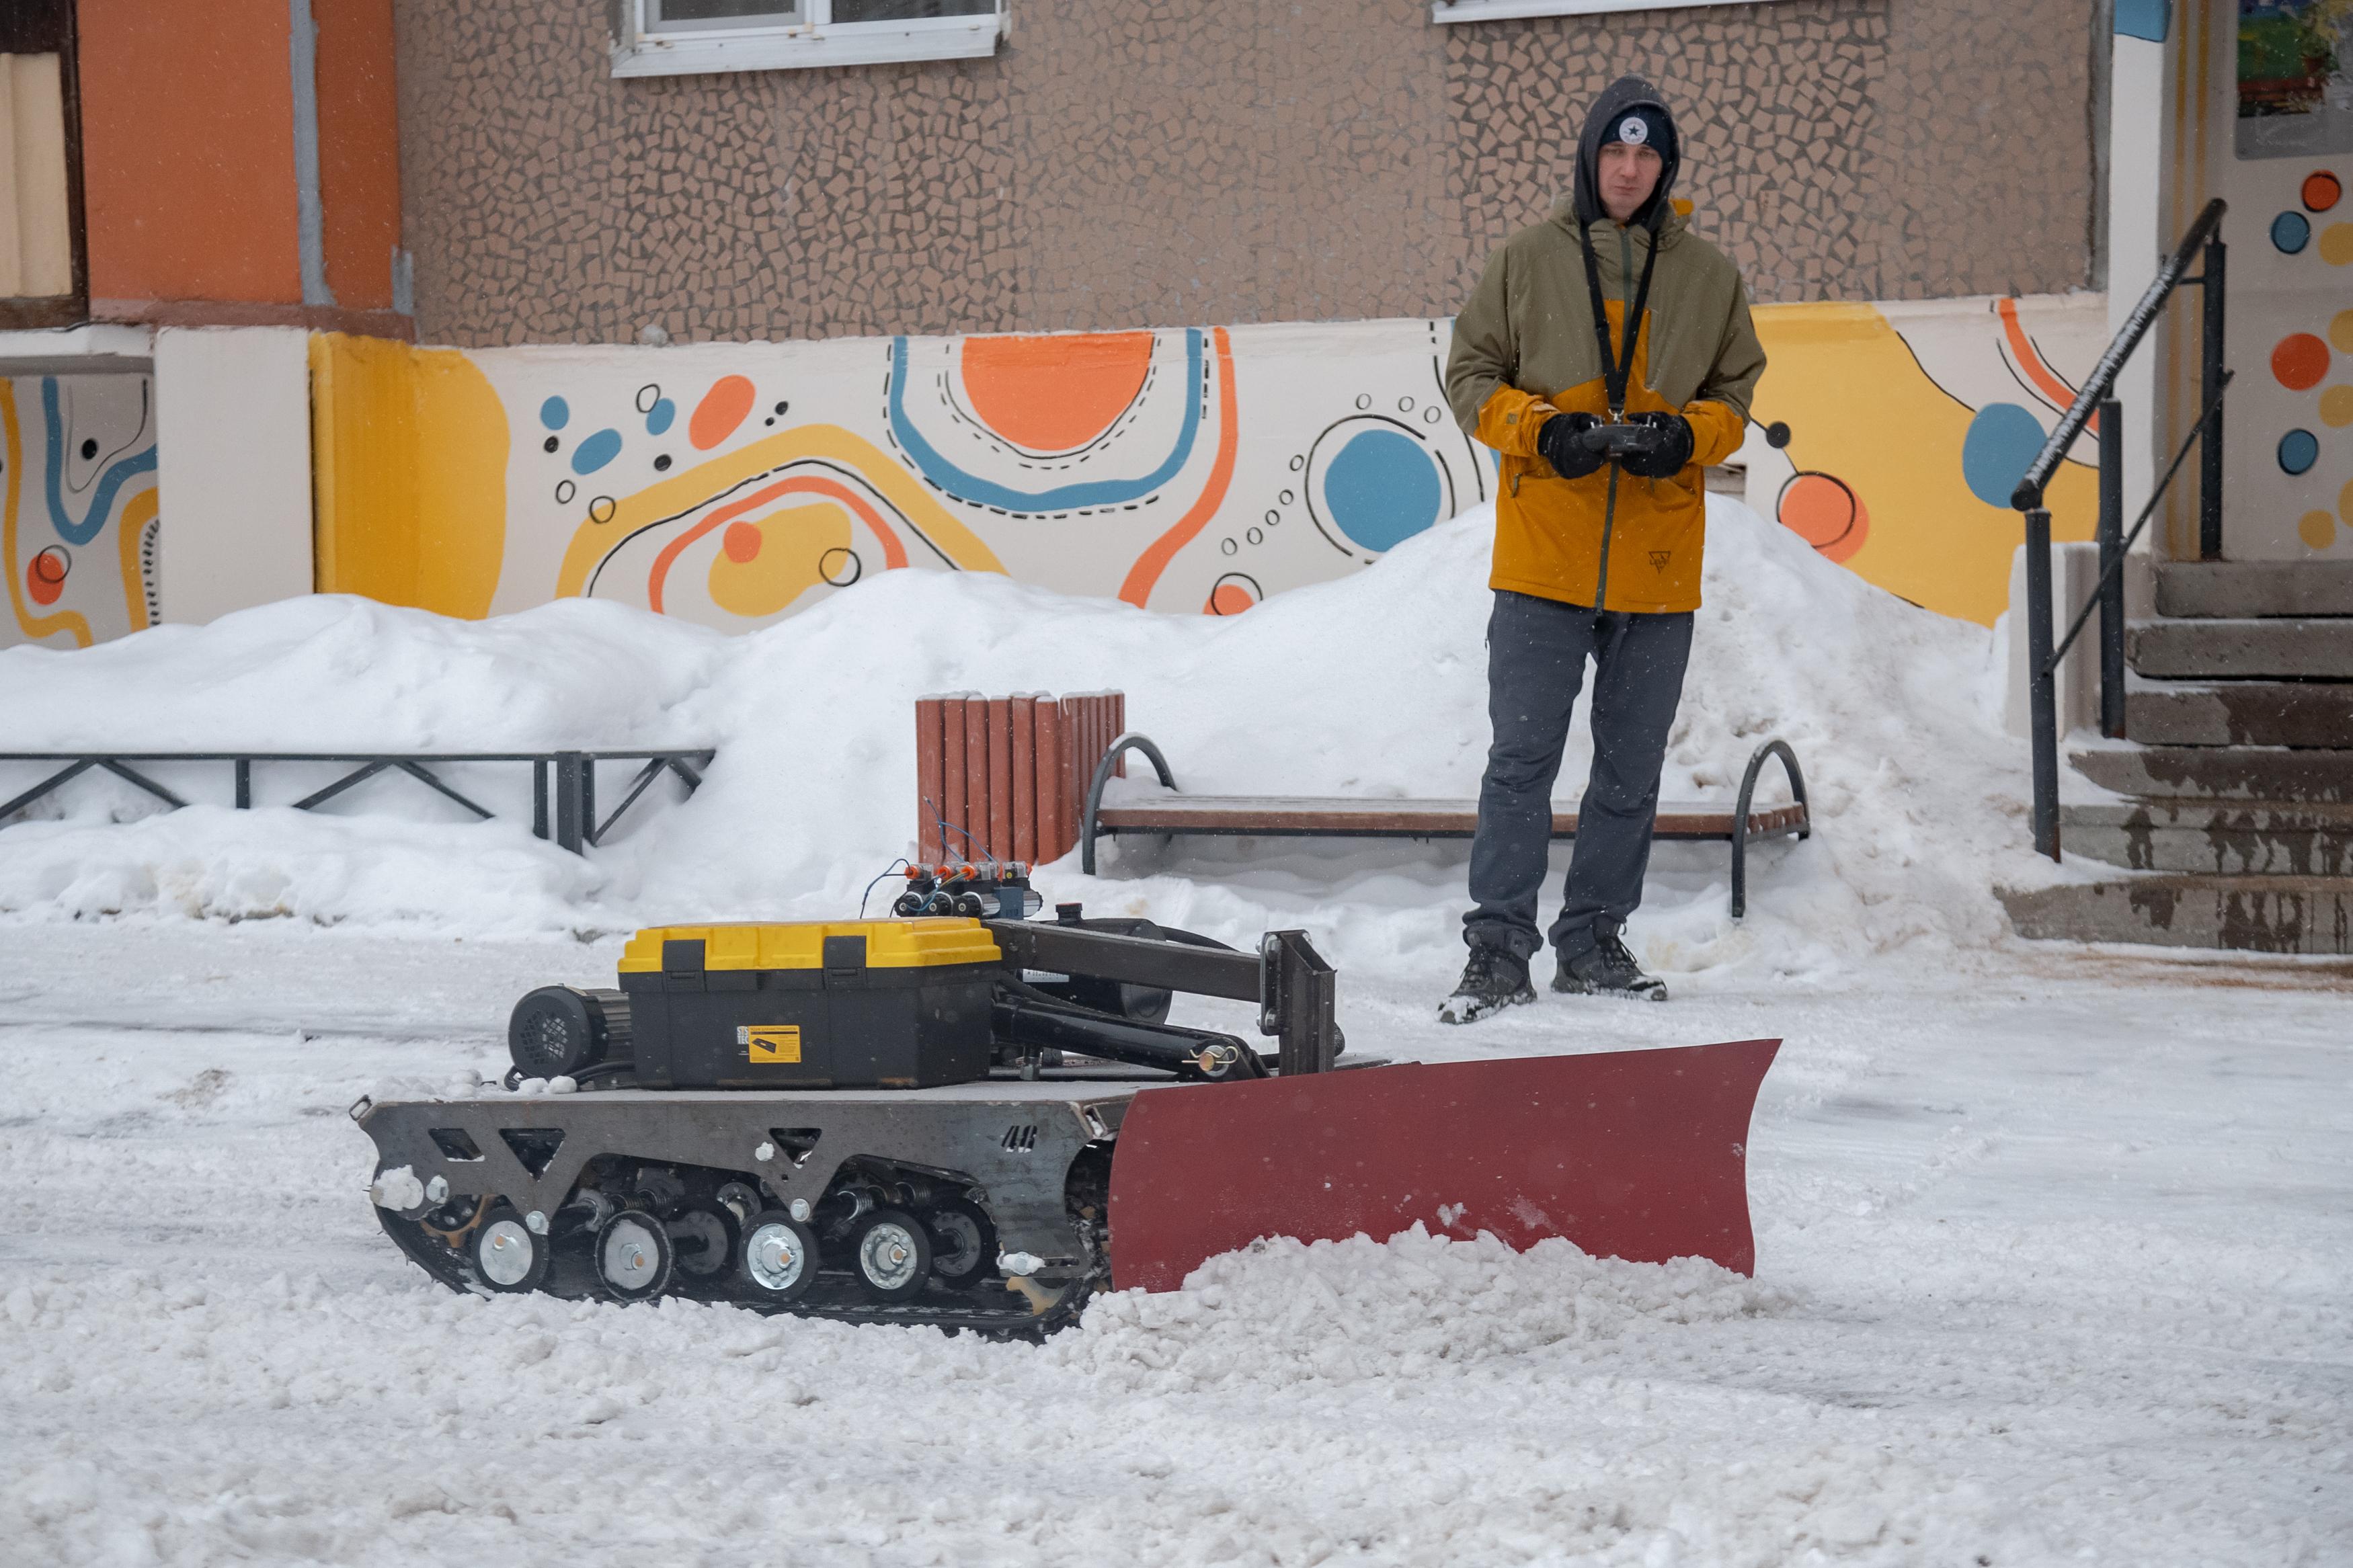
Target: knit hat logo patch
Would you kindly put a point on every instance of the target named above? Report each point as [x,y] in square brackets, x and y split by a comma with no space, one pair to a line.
[1632,131]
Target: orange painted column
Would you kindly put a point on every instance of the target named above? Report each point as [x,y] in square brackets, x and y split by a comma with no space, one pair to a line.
[188,125]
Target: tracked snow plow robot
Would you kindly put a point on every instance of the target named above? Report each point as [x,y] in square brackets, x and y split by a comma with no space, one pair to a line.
[965,1117]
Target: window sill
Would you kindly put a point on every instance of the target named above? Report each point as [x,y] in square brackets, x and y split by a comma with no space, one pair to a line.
[1506,10]
[805,49]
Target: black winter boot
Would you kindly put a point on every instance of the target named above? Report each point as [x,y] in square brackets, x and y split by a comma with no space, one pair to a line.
[1494,979]
[1607,969]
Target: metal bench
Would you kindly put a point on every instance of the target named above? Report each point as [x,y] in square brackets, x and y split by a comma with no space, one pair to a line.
[1306,817]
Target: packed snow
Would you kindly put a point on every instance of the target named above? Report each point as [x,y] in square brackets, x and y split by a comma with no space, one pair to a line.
[2052,1244]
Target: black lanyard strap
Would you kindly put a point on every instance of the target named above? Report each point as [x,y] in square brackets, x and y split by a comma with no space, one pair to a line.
[1617,367]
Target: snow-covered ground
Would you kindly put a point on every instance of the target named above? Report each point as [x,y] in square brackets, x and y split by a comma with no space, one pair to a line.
[2052,1245]
[2051,1267]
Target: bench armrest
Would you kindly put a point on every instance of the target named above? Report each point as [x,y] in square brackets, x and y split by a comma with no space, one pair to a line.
[1776,747]
[1131,741]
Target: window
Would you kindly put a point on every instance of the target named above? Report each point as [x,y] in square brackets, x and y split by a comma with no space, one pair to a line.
[1498,10]
[677,38]
[40,167]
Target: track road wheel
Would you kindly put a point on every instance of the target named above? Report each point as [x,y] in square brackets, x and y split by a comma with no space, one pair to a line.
[778,1260]
[506,1255]
[633,1257]
[893,1254]
[703,1240]
[964,1243]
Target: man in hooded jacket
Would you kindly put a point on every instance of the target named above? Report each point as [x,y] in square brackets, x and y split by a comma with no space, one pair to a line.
[1607,354]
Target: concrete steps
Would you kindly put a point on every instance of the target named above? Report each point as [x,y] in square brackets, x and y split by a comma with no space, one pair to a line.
[2299,647]
[2239,713]
[2202,837]
[2248,589]
[2221,773]
[2248,914]
[2239,831]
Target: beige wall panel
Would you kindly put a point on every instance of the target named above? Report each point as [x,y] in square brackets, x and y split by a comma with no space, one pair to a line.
[233,427]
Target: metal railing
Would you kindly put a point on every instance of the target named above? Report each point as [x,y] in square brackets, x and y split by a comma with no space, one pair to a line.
[568,811]
[2098,395]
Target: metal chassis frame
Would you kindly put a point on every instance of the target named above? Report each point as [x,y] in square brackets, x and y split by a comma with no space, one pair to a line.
[575,825]
[1000,1143]
[1295,989]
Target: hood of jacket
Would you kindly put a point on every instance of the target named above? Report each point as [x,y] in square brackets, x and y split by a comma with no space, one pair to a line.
[1627,92]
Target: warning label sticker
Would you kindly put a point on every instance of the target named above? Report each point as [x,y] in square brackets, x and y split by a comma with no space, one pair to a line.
[770,1042]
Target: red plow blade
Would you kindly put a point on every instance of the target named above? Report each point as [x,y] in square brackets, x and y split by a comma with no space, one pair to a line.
[1633,1154]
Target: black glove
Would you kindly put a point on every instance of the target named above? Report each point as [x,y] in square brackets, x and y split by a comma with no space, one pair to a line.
[1664,455]
[1558,443]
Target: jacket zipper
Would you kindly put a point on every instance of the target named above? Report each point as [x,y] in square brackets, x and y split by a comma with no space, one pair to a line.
[1609,505]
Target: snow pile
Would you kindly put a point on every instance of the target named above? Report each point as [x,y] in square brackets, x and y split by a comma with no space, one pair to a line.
[1373,685]
[332,673]
[212,861]
[1282,1312]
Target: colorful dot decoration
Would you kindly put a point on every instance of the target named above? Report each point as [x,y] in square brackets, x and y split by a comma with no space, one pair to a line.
[2340,331]
[2318,530]
[2322,190]
[2337,407]
[2298,450]
[2291,232]
[2299,361]
[2336,244]
[555,414]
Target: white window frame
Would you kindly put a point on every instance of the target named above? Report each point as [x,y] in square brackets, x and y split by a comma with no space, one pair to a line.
[816,40]
[1506,10]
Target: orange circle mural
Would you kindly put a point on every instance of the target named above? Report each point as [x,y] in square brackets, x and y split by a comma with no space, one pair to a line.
[721,409]
[1826,513]
[2321,191]
[742,541]
[45,575]
[2300,360]
[1055,394]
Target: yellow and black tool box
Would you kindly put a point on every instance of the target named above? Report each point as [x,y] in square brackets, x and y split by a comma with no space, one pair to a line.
[900,1004]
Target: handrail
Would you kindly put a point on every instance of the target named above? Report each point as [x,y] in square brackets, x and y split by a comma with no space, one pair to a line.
[2107,578]
[2103,381]
[2098,392]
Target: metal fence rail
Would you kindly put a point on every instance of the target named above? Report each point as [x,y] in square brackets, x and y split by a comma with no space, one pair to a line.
[568,809]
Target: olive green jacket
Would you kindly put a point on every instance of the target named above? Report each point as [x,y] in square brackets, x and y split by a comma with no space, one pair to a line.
[1525,349]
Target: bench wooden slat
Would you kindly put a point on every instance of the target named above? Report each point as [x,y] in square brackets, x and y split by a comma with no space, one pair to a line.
[1306,817]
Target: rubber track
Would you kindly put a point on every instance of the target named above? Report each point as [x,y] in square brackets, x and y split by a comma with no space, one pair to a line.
[1016,1323]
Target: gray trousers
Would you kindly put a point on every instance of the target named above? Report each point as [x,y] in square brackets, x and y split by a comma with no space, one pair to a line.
[1536,650]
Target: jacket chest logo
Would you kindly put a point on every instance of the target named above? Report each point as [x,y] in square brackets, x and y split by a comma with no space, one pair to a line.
[1659,559]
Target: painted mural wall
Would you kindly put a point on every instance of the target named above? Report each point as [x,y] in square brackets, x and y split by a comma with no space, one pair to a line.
[2289,98]
[1189,470]
[1911,423]
[79,508]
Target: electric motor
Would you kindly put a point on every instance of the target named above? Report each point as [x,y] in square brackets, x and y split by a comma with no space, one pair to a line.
[564,1031]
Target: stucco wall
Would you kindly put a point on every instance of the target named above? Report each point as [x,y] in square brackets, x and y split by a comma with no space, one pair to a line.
[1167,161]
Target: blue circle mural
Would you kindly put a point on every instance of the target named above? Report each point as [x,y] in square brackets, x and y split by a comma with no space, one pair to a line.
[2298,450]
[2000,446]
[2291,232]
[659,417]
[595,451]
[1382,489]
[555,414]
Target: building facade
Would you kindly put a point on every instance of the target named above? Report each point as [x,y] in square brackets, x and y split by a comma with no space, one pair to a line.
[718,306]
